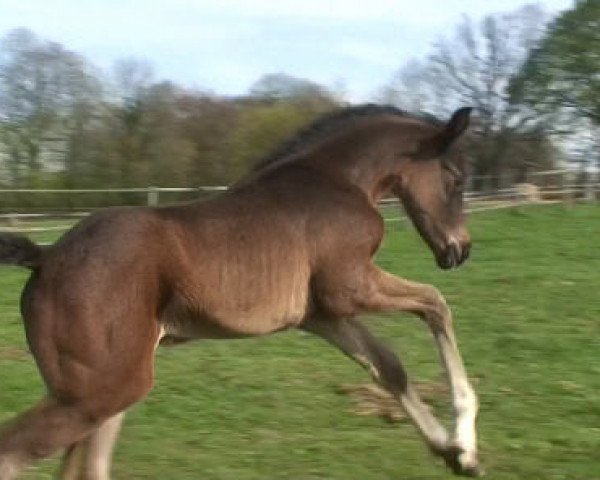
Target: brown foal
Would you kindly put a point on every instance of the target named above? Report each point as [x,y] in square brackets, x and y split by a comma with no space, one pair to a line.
[290,245]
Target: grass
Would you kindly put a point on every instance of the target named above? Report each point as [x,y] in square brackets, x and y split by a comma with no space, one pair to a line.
[527,316]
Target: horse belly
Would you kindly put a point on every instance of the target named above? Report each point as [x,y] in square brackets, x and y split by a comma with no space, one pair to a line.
[238,307]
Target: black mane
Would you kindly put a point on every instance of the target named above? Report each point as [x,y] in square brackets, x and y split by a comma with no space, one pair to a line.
[325,124]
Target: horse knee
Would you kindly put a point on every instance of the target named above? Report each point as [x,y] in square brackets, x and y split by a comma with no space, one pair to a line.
[436,311]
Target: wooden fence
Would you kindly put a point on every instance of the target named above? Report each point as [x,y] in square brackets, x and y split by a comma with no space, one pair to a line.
[544,187]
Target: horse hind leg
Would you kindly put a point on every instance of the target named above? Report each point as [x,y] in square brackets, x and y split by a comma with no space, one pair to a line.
[54,425]
[353,339]
[90,459]
[89,397]
[38,432]
[72,461]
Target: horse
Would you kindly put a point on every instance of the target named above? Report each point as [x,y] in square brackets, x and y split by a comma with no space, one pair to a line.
[290,245]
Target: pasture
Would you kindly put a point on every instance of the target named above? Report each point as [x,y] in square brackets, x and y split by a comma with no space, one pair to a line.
[527,315]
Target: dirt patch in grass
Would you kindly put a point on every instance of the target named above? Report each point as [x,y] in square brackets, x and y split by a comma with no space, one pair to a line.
[370,399]
[13,353]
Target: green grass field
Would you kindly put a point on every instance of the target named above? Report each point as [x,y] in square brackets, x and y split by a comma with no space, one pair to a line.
[527,313]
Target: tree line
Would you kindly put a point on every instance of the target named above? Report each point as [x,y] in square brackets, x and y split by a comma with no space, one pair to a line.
[66,124]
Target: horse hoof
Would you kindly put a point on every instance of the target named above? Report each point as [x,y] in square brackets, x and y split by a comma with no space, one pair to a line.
[460,462]
[473,469]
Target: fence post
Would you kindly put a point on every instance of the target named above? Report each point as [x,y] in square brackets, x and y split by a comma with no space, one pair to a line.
[152,196]
[588,185]
[563,195]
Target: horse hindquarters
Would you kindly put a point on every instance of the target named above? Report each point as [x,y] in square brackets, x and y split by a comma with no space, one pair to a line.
[94,346]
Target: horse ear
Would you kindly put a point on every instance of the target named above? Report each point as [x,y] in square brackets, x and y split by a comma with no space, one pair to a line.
[455,127]
[458,123]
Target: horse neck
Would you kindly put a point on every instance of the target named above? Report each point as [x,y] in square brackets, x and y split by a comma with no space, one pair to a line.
[365,159]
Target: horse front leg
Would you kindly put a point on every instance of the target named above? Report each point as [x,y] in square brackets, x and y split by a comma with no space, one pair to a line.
[390,293]
[353,338]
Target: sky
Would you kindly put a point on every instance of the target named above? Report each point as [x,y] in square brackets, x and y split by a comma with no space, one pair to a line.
[224,46]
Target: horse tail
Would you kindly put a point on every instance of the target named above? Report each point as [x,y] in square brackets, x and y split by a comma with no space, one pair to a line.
[19,250]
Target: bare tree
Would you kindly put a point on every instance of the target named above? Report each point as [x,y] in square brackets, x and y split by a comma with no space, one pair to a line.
[475,68]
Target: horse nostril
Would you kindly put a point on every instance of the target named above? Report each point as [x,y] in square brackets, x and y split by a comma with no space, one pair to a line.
[458,255]
[453,255]
[454,251]
[466,251]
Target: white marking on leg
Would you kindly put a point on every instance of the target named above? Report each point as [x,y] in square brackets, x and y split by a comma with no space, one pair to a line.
[101,446]
[161,333]
[429,427]
[10,466]
[465,405]
[463,397]
[364,361]
[432,430]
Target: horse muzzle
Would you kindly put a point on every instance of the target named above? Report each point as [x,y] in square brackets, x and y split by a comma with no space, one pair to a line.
[454,254]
